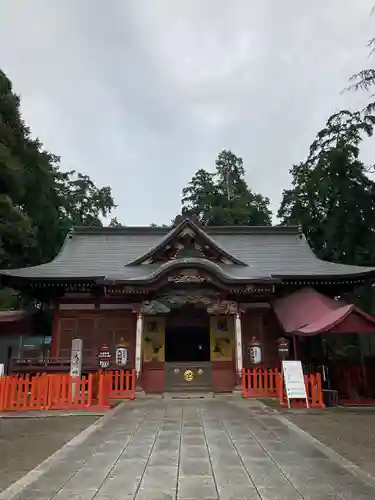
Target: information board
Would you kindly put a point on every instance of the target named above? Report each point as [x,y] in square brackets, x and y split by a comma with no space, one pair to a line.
[294,381]
[2,370]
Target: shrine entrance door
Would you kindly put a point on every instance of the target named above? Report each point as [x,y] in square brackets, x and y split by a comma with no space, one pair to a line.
[187,350]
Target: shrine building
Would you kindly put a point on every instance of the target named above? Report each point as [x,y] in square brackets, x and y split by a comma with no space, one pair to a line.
[189,303]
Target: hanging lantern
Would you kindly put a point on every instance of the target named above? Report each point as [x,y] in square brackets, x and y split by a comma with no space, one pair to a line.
[104,357]
[121,353]
[255,351]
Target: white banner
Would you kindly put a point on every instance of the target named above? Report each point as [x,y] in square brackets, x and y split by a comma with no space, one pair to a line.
[294,381]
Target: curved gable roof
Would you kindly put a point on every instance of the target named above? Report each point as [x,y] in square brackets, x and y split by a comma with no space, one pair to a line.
[253,252]
[175,232]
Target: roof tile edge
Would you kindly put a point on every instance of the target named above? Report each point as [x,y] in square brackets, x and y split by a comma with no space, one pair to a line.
[82,230]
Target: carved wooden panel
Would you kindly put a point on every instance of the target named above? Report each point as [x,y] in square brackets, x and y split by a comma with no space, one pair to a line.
[153,339]
[223,307]
[222,338]
[188,276]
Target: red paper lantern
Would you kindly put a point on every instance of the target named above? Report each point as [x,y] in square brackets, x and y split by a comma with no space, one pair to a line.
[104,357]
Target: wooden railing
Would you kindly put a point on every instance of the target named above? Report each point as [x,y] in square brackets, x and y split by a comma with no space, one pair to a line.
[47,363]
[259,382]
[313,384]
[62,392]
[268,383]
[119,384]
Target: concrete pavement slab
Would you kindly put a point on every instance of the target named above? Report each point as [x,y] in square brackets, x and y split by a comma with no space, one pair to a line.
[193,450]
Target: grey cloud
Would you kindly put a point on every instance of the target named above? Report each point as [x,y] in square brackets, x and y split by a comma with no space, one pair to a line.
[139,95]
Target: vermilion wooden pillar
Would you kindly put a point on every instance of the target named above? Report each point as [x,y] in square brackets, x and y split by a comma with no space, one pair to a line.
[55,334]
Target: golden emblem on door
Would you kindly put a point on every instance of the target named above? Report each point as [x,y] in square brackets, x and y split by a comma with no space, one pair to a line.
[188,375]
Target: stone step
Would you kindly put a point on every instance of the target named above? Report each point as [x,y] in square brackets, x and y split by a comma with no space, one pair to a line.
[188,395]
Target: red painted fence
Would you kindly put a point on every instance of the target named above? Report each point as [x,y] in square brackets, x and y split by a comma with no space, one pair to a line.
[259,382]
[115,385]
[313,383]
[266,382]
[62,392]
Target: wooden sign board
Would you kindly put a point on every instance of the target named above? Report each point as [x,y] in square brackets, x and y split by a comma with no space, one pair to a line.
[76,358]
[75,363]
[294,381]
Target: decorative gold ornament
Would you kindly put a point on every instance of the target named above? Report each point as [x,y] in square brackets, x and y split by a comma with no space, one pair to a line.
[188,375]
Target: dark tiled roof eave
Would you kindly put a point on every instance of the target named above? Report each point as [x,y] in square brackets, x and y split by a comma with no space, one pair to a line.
[222,272]
[279,253]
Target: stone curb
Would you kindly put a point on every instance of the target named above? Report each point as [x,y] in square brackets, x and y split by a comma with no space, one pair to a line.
[15,488]
[331,454]
[46,414]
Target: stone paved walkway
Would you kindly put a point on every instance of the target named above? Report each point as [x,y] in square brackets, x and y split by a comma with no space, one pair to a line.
[196,449]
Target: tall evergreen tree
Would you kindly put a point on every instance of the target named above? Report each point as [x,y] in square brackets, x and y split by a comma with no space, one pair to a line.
[223,197]
[17,237]
[38,202]
[332,196]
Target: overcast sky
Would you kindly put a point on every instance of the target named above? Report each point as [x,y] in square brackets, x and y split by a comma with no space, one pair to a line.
[140,94]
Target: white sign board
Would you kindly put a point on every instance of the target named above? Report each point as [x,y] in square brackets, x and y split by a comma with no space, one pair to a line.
[294,381]
[2,370]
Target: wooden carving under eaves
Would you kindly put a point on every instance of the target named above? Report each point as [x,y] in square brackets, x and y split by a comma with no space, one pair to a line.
[153,307]
[177,298]
[187,244]
[223,307]
[188,276]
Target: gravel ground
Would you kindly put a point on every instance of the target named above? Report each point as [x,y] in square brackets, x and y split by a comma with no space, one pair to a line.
[349,432]
[26,442]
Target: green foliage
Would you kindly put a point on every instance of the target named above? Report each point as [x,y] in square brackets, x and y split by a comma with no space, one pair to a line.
[38,202]
[223,197]
[332,196]
[364,80]
[8,299]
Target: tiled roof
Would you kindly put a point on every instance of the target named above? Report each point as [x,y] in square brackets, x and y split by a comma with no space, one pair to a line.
[264,252]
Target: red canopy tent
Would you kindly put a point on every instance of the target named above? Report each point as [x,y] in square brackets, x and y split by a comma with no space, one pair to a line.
[308,312]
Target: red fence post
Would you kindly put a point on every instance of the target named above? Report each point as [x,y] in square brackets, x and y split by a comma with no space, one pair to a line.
[133,385]
[54,392]
[259,382]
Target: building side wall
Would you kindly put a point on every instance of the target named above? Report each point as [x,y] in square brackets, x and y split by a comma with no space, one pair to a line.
[263,325]
[12,335]
[96,327]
